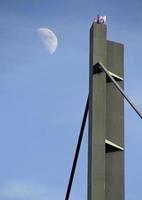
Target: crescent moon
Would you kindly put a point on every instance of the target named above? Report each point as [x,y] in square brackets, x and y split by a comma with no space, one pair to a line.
[49,39]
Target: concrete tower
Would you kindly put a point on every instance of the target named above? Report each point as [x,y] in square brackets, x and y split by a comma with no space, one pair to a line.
[106,118]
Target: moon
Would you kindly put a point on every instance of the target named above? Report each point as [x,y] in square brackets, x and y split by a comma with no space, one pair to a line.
[49,39]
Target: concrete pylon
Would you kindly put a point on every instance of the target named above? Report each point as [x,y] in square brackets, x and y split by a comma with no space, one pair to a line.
[106,119]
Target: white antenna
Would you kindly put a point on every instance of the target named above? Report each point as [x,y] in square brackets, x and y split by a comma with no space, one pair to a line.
[99,19]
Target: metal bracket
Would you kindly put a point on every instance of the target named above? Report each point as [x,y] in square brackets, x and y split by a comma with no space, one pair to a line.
[99,66]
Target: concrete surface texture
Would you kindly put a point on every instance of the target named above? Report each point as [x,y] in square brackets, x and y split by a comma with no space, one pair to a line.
[106,119]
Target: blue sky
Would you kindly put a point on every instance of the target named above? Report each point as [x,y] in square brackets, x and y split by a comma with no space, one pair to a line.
[42,96]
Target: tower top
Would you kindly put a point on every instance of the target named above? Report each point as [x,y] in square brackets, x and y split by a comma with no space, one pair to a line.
[99,19]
